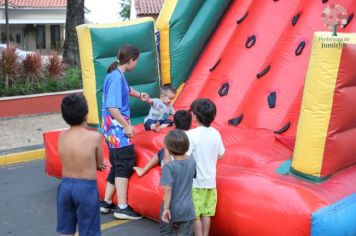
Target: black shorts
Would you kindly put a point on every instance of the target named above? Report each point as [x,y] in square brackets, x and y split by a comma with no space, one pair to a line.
[122,161]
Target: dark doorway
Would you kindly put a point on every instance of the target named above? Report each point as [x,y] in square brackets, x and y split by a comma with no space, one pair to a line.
[55,37]
[40,37]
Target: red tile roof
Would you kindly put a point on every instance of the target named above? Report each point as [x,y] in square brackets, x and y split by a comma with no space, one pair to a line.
[148,7]
[36,3]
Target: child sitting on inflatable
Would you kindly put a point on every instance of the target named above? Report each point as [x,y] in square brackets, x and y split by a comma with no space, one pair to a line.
[161,108]
[181,120]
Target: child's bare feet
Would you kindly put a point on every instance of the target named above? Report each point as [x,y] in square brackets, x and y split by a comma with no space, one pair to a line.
[162,126]
[139,171]
[156,127]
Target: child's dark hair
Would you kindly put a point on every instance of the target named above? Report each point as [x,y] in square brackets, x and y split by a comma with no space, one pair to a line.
[167,87]
[124,55]
[182,119]
[205,111]
[74,109]
[177,142]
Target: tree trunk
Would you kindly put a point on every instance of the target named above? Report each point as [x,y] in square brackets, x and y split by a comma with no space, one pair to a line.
[6,82]
[7,22]
[75,16]
[334,30]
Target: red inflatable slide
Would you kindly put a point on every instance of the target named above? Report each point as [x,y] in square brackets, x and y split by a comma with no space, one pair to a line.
[253,68]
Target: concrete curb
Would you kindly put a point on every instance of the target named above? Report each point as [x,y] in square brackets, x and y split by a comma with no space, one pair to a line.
[20,157]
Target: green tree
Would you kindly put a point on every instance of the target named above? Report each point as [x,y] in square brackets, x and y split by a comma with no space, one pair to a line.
[74,17]
[125,9]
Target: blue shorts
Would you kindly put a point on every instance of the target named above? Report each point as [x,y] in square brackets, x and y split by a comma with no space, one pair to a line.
[149,122]
[78,202]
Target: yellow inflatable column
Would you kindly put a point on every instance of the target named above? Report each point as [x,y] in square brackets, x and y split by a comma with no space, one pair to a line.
[88,71]
[324,79]
[162,25]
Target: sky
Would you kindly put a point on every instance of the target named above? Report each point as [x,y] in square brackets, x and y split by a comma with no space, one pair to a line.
[103,11]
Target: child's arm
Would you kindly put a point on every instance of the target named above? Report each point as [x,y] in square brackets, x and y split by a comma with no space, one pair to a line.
[141,171]
[166,215]
[172,111]
[99,154]
[141,95]
[221,149]
[149,101]
[166,182]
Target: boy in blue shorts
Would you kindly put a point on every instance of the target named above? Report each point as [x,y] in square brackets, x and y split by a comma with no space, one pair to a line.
[81,155]
[206,147]
[161,109]
[182,119]
[177,178]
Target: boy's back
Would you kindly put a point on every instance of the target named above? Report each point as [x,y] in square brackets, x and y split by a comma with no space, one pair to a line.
[81,156]
[78,149]
[205,147]
[179,175]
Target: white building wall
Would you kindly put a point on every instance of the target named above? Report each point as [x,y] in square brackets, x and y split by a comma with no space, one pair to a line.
[133,13]
[19,18]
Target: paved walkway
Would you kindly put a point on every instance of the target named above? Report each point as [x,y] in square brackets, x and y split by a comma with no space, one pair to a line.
[26,133]
[28,205]
[27,191]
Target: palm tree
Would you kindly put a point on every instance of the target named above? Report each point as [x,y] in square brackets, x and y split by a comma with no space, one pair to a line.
[75,16]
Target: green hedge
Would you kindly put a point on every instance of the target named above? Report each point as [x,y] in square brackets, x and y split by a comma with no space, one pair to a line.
[72,79]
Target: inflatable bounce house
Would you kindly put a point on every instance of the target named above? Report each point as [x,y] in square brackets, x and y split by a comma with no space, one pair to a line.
[286,106]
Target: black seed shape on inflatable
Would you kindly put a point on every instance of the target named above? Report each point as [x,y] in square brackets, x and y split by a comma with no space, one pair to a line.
[239,21]
[295,19]
[262,73]
[250,41]
[271,99]
[224,89]
[300,48]
[236,121]
[216,64]
[349,19]
[283,129]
